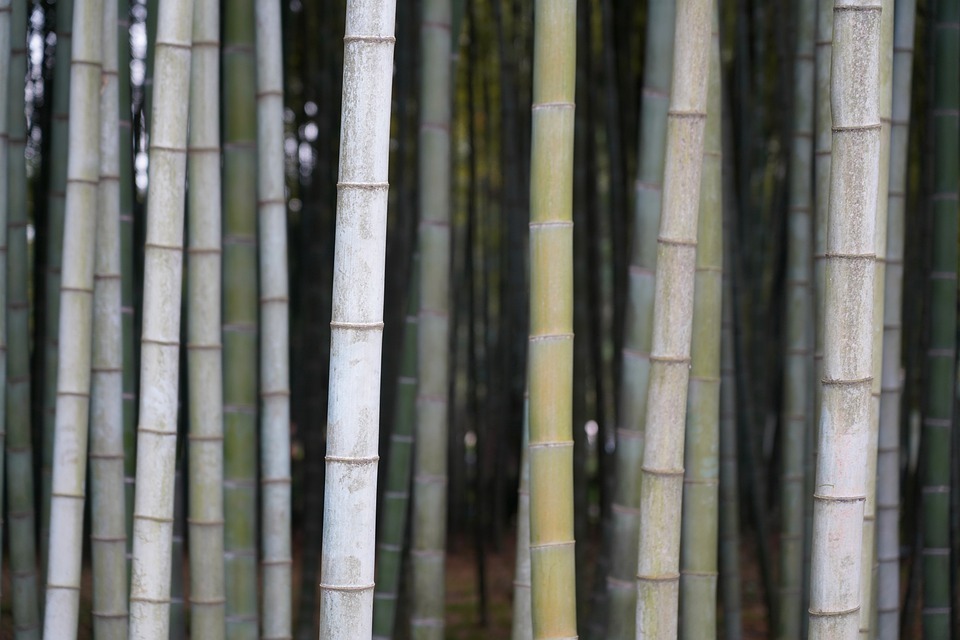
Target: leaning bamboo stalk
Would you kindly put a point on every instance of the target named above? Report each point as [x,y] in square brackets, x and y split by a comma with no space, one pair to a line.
[160,341]
[638,327]
[5,10]
[550,359]
[888,460]
[698,542]
[76,316]
[204,351]
[522,623]
[428,533]
[798,366]
[662,471]
[349,521]
[107,513]
[841,481]
[274,323]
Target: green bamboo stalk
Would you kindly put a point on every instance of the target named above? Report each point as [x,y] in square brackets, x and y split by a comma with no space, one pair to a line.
[204,351]
[849,274]
[76,316]
[107,513]
[522,628]
[349,517]
[274,318]
[396,495]
[941,355]
[552,558]
[798,367]
[55,211]
[698,542]
[159,373]
[5,81]
[888,462]
[240,308]
[429,533]
[19,450]
[662,471]
[638,326]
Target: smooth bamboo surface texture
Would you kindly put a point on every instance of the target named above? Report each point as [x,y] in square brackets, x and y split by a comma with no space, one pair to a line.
[522,623]
[5,10]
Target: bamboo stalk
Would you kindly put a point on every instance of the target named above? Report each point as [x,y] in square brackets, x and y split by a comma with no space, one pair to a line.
[108,514]
[160,342]
[522,623]
[5,81]
[76,316]
[638,326]
[349,522]
[274,319]
[699,529]
[849,273]
[888,462]
[204,350]
[550,350]
[662,470]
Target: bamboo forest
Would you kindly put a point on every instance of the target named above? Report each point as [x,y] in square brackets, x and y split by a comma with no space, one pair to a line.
[479,319]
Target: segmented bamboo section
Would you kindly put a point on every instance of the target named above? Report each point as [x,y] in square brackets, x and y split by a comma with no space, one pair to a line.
[356,327]
[160,341]
[841,481]
[698,541]
[522,627]
[76,316]
[888,457]
[662,471]
[638,327]
[550,359]
[108,528]
[204,350]
[274,321]
[5,81]
[941,358]
[798,364]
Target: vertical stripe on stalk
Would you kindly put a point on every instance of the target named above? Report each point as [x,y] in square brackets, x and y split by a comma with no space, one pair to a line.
[5,10]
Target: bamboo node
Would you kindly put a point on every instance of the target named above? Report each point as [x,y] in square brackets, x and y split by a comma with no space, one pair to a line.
[687,114]
[64,587]
[537,106]
[547,545]
[551,445]
[833,614]
[157,432]
[358,461]
[665,473]
[347,588]
[828,498]
[357,326]
[369,39]
[678,242]
[146,600]
[668,577]
[157,519]
[846,383]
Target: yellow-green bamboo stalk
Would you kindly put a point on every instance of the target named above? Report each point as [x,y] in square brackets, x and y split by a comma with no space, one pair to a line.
[662,471]
[429,531]
[204,351]
[844,438]
[274,322]
[522,628]
[356,327]
[107,514]
[798,367]
[698,550]
[552,565]
[62,607]
[5,10]
[655,100]
[160,341]
[888,456]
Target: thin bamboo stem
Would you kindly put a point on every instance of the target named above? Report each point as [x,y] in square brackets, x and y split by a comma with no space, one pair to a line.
[522,624]
[5,81]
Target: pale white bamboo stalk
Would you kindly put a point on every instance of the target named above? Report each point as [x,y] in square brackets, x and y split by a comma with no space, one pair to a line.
[888,457]
[204,348]
[5,10]
[107,514]
[76,316]
[844,438]
[274,322]
[356,327]
[160,339]
[662,471]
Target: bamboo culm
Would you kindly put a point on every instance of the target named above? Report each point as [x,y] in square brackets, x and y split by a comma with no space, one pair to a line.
[522,628]
[5,10]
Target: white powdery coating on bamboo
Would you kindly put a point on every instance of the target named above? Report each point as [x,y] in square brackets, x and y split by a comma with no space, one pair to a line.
[160,350]
[347,566]
[274,323]
[662,473]
[76,316]
[841,481]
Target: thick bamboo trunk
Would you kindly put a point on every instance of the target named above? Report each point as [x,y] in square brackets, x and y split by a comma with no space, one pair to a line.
[350,496]
[430,447]
[76,316]
[552,561]
[698,542]
[662,471]
[204,351]
[841,481]
[888,460]
[160,341]
[638,325]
